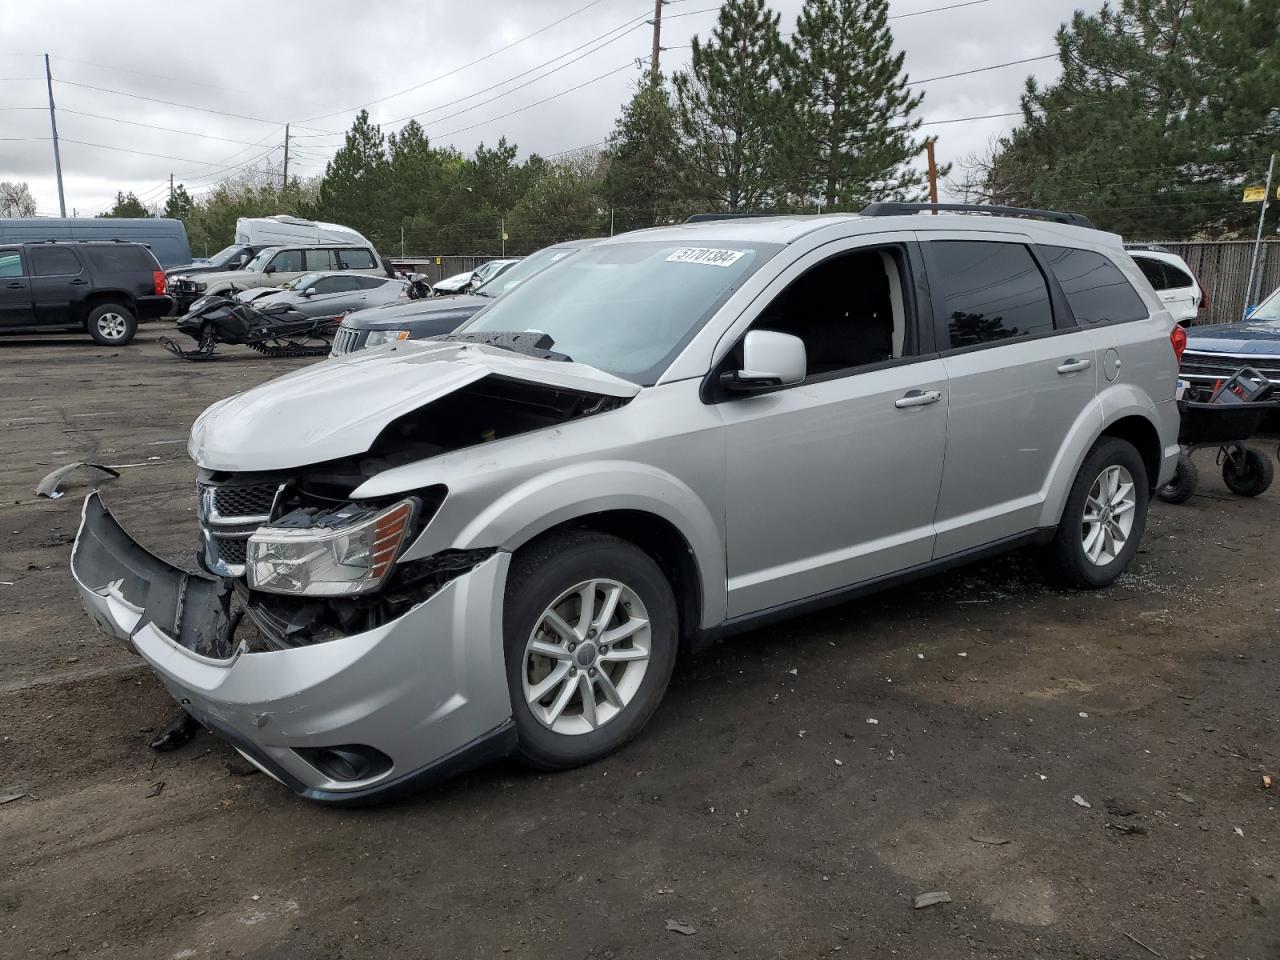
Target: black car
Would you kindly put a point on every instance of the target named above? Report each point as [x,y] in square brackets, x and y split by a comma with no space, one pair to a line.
[437,316]
[233,257]
[104,287]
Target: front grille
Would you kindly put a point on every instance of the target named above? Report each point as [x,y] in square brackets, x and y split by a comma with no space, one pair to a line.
[1215,366]
[231,551]
[250,500]
[347,340]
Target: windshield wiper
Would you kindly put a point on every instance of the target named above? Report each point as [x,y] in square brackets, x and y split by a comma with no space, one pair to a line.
[530,343]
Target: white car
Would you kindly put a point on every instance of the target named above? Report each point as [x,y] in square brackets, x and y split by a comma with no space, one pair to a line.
[462,282]
[1174,283]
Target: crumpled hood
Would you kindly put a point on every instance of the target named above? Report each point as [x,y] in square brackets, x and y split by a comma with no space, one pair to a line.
[337,408]
[1247,337]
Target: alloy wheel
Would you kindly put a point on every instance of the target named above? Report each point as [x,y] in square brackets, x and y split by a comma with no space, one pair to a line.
[586,656]
[112,326]
[1108,515]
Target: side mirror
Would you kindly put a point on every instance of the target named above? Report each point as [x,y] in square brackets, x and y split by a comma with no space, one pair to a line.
[268,269]
[243,258]
[769,359]
[309,292]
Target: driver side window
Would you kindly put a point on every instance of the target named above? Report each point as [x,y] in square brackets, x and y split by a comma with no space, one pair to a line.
[850,311]
[287,261]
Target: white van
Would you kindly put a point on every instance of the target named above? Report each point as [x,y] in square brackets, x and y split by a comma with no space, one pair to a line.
[284,230]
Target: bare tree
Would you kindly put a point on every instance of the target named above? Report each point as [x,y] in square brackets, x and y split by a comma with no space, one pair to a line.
[16,200]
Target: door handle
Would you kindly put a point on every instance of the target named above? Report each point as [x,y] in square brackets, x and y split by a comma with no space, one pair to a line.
[78,283]
[1074,366]
[16,285]
[917,398]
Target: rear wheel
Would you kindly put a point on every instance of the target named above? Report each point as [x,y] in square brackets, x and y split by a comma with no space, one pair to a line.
[111,324]
[590,634]
[1250,475]
[1183,484]
[1105,514]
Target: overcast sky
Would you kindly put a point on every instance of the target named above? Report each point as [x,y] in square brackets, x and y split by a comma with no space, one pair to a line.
[257,65]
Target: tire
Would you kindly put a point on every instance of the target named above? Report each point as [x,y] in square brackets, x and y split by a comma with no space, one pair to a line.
[111,324]
[548,574]
[1076,557]
[1250,479]
[1183,484]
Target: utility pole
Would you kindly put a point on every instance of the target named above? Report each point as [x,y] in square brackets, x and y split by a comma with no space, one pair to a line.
[285,184]
[53,124]
[933,173]
[1257,243]
[657,39]
[170,189]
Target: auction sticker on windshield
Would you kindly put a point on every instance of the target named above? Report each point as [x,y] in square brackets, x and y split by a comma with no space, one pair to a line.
[707,255]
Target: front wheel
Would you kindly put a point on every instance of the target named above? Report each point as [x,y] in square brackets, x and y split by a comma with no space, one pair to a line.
[1249,475]
[111,324]
[1105,514]
[590,636]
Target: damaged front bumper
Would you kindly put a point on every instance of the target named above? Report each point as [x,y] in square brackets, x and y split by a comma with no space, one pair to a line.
[419,698]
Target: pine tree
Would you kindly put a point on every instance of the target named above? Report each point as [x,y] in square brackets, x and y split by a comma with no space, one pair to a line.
[127,205]
[850,132]
[1164,110]
[642,182]
[354,189]
[179,205]
[729,109]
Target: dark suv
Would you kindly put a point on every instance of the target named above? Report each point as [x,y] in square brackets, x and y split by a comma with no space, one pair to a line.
[102,287]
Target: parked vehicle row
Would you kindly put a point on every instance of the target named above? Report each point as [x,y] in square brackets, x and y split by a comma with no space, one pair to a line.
[418,557]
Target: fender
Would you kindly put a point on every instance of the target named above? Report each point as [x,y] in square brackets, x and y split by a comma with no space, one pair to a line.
[578,490]
[1114,403]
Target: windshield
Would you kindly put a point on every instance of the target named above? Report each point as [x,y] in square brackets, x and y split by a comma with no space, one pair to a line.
[486,270]
[625,308]
[1268,309]
[302,282]
[225,255]
[262,259]
[522,271]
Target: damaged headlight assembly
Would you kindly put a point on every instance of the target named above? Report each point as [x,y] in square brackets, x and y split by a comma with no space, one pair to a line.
[342,551]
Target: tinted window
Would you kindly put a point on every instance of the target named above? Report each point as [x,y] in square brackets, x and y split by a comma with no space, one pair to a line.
[321,260]
[990,291]
[10,263]
[1096,289]
[1175,278]
[335,285]
[288,261]
[53,262]
[369,283]
[1153,270]
[357,259]
[122,258]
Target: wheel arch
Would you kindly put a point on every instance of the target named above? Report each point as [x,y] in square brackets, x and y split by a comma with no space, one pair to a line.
[99,297]
[663,542]
[1145,438]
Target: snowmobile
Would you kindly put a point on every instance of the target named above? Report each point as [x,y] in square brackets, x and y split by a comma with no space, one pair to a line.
[274,331]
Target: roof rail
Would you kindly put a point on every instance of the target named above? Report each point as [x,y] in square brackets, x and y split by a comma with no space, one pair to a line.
[905,209]
[708,217]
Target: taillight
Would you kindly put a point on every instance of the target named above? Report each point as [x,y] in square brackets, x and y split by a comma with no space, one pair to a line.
[159,281]
[1178,338]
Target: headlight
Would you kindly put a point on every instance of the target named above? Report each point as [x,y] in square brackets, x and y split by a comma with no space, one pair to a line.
[377,337]
[201,287]
[344,551]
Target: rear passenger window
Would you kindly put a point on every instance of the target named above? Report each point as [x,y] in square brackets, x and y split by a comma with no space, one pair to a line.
[990,291]
[53,262]
[1175,279]
[125,258]
[357,259]
[320,260]
[1096,289]
[1153,270]
[10,263]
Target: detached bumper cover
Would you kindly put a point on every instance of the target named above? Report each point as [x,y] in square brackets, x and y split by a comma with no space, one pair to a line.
[428,689]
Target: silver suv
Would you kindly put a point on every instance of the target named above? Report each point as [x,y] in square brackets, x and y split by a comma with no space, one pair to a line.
[506,541]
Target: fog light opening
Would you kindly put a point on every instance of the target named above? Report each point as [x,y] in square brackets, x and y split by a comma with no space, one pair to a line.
[348,763]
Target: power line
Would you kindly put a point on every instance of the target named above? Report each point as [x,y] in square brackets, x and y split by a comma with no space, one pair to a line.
[171,103]
[153,126]
[449,73]
[994,66]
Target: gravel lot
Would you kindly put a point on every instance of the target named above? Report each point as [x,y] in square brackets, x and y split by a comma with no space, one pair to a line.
[799,787]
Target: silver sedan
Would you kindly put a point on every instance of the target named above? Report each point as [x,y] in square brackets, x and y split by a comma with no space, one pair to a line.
[330,294]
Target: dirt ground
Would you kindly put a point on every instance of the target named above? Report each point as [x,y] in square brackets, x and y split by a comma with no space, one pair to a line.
[799,786]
